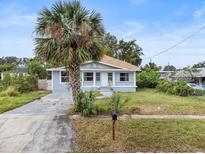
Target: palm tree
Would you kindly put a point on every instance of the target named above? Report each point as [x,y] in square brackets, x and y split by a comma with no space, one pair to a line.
[68,33]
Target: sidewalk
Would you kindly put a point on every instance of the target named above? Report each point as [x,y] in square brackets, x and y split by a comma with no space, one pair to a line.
[135,116]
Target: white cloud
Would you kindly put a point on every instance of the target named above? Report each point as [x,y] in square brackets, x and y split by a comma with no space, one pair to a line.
[128,29]
[156,37]
[16,27]
[199,12]
[14,14]
[12,46]
[19,20]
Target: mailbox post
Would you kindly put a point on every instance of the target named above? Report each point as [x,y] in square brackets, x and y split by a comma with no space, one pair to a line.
[114,118]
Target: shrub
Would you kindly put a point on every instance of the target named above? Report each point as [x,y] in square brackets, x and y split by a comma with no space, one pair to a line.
[35,68]
[85,103]
[10,91]
[147,79]
[22,82]
[117,101]
[179,88]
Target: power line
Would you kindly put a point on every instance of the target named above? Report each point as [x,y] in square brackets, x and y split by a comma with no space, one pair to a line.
[177,44]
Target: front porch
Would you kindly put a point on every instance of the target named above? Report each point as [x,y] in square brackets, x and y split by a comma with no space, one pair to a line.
[107,80]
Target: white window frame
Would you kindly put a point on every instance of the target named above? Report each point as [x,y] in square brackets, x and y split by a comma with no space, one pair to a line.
[127,77]
[84,76]
[96,77]
[61,78]
[108,76]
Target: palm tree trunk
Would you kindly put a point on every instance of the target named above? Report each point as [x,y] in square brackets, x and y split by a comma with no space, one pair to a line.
[74,75]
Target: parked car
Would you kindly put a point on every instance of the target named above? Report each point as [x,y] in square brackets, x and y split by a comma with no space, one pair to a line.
[196,86]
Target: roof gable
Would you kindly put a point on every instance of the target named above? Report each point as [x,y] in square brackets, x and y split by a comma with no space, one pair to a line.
[105,62]
[96,65]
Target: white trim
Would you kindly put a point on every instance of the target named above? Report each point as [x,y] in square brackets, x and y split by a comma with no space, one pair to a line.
[60,79]
[56,69]
[128,77]
[107,70]
[92,69]
[94,80]
[113,78]
[109,87]
[134,78]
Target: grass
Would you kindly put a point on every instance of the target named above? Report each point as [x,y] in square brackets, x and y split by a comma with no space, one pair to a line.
[150,101]
[8,103]
[142,135]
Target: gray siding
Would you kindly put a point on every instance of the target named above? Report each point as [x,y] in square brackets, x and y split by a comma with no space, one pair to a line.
[124,83]
[95,65]
[57,86]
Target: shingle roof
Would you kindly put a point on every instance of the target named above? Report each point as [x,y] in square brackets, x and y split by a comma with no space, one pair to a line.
[109,61]
[198,72]
[118,63]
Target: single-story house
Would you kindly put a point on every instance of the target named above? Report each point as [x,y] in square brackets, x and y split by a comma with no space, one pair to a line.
[198,74]
[108,74]
[165,74]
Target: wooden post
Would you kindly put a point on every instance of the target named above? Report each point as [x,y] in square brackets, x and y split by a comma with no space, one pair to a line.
[113,122]
[113,129]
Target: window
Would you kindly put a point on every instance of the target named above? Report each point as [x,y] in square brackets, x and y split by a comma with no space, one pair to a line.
[97,76]
[88,76]
[109,76]
[49,75]
[124,77]
[64,76]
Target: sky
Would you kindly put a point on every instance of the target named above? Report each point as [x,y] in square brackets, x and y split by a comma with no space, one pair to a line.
[155,25]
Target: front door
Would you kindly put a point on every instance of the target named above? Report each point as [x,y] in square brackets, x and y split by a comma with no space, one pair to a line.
[104,79]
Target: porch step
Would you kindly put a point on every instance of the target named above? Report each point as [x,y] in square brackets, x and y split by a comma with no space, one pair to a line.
[106,89]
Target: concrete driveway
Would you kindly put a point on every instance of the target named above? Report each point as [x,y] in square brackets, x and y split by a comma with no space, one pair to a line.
[40,126]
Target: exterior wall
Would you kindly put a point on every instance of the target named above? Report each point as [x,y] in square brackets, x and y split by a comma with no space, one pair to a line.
[124,83]
[123,86]
[57,85]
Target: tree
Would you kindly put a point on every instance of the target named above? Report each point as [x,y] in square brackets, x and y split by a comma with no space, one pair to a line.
[199,65]
[36,69]
[11,60]
[151,66]
[169,68]
[110,45]
[71,34]
[129,52]
[147,79]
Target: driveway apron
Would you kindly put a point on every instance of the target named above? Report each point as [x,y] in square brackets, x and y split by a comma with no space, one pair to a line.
[40,126]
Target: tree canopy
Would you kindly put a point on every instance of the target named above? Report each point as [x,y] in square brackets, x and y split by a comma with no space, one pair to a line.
[151,66]
[199,65]
[169,68]
[69,33]
[128,51]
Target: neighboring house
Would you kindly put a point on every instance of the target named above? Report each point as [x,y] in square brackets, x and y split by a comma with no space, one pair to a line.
[198,74]
[165,74]
[108,74]
[19,69]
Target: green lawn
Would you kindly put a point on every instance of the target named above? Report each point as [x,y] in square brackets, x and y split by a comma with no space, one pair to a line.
[145,135]
[9,103]
[149,101]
